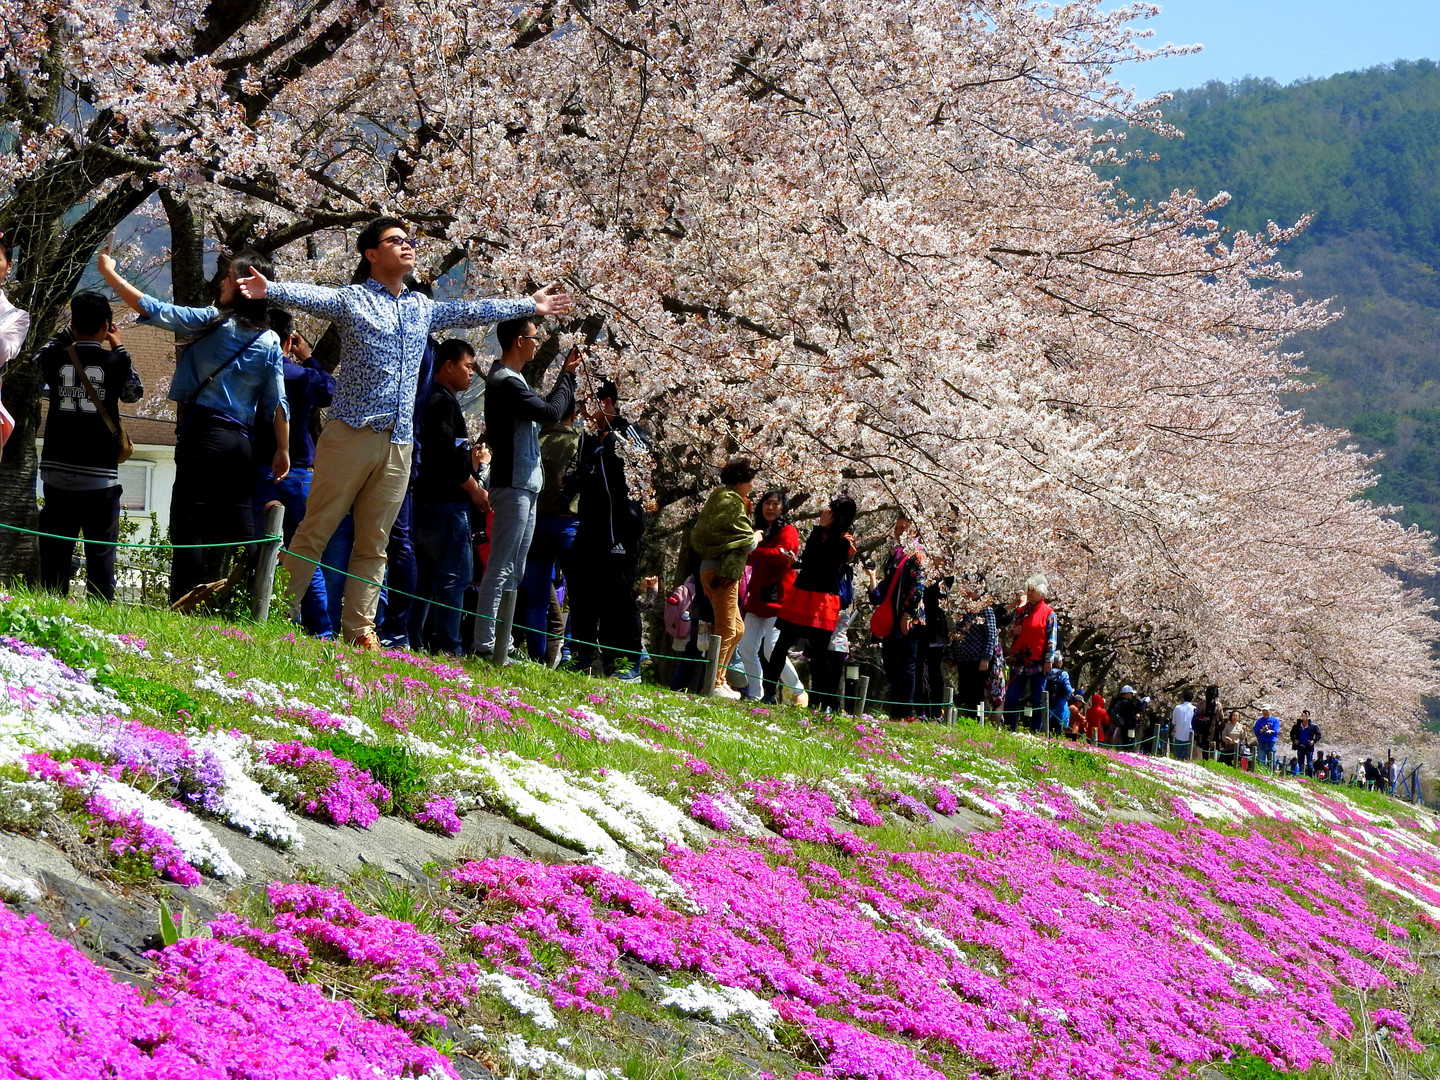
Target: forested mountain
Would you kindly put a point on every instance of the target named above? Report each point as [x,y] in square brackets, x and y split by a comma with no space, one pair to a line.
[1362,152]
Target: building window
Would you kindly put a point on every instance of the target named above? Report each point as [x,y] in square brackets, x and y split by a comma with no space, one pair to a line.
[135,486]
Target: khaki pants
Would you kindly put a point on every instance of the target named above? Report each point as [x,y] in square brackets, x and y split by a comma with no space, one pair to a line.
[725,599]
[359,469]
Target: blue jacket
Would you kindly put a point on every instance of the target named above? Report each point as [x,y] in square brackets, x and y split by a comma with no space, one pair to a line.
[1059,687]
[1267,730]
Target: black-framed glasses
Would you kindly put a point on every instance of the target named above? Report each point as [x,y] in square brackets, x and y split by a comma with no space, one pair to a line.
[402,241]
[533,337]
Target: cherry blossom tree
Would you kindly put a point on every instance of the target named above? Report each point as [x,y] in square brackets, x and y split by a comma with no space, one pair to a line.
[881,247]
[103,107]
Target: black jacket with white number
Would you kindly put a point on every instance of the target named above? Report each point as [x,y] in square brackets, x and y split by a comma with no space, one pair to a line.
[79,452]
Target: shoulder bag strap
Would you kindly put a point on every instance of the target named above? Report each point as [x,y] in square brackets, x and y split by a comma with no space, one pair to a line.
[890,596]
[235,356]
[113,427]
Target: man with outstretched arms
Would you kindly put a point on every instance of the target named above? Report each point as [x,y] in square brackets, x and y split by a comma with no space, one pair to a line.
[362,459]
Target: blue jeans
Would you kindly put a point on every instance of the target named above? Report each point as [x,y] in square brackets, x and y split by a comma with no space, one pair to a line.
[1180,750]
[554,537]
[510,538]
[401,570]
[1265,754]
[1023,690]
[443,555]
[337,555]
[291,493]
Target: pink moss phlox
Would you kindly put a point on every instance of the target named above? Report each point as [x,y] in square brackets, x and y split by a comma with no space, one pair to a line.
[1076,989]
[1399,1028]
[438,815]
[330,787]
[315,718]
[851,1051]
[311,921]
[945,801]
[234,633]
[704,808]
[797,812]
[863,811]
[215,1012]
[130,834]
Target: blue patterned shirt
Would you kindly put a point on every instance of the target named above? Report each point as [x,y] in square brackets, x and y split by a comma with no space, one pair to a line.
[382,340]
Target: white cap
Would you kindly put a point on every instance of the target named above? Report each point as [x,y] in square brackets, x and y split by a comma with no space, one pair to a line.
[1127,689]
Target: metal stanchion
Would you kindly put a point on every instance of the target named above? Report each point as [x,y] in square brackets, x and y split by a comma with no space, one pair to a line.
[265,565]
[980,711]
[1045,713]
[505,628]
[712,665]
[862,691]
[947,705]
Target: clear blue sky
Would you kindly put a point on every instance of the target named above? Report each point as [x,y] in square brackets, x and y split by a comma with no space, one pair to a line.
[1283,39]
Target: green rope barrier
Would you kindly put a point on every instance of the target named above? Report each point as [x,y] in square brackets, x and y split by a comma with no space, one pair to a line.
[537,630]
[638,653]
[132,544]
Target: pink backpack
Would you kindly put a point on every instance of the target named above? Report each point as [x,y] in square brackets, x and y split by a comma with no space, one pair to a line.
[677,607]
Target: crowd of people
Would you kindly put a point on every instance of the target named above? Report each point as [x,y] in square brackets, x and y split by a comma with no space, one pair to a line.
[403,529]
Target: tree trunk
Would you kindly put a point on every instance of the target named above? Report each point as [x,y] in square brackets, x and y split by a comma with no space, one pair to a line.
[187,252]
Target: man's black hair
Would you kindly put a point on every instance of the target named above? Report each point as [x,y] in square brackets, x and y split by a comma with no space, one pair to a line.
[5,247]
[737,471]
[1188,695]
[509,330]
[368,240]
[608,391]
[282,322]
[89,313]
[452,349]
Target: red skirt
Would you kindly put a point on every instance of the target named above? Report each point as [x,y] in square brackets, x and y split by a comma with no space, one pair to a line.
[814,609]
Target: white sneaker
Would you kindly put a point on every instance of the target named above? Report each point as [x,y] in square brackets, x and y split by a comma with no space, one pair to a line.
[726,693]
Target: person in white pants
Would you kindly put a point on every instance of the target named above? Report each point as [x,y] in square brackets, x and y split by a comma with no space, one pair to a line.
[772,573]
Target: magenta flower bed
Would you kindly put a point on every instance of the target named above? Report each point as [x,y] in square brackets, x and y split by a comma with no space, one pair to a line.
[217,1013]
[129,833]
[797,812]
[331,788]
[438,815]
[703,807]
[408,964]
[1042,953]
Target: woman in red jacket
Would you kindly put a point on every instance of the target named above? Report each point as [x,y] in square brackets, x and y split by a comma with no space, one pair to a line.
[772,574]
